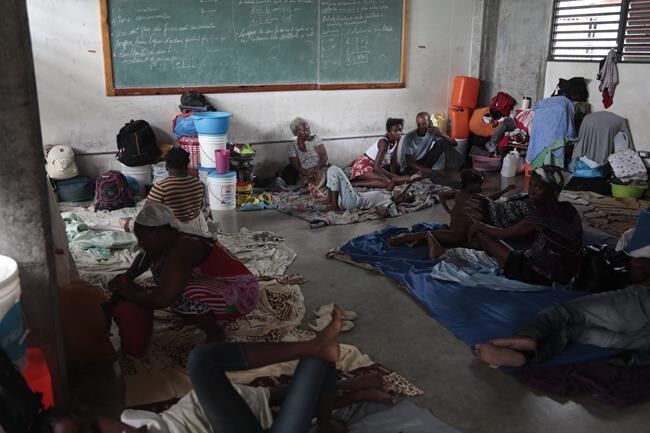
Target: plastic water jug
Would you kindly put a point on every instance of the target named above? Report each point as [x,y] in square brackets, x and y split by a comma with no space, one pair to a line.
[511,164]
[222,161]
[440,122]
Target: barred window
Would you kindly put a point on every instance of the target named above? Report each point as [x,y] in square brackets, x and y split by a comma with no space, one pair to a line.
[586,30]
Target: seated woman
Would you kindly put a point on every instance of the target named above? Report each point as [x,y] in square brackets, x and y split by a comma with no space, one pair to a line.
[307,156]
[611,320]
[556,230]
[470,207]
[180,191]
[379,167]
[195,275]
[217,405]
[342,196]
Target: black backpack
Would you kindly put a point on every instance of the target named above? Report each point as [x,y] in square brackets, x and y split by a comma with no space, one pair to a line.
[19,406]
[195,101]
[136,144]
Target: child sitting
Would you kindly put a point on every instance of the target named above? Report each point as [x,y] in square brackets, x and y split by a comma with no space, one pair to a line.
[470,207]
[342,195]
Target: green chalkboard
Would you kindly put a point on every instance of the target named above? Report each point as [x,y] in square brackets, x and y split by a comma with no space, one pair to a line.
[166,46]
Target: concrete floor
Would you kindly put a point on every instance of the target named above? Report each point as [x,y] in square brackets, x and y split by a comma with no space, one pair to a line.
[394,330]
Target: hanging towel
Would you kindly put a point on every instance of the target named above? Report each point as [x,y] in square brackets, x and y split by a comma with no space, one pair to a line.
[608,77]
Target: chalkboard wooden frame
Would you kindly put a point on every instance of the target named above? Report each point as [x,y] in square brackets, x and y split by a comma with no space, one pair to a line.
[111,90]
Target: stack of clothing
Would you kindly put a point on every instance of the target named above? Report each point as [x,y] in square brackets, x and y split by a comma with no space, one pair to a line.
[551,130]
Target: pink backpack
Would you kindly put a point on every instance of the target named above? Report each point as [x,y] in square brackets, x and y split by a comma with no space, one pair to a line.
[112,192]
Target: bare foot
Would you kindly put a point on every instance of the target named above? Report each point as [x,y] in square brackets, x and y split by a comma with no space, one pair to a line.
[500,356]
[327,344]
[435,249]
[332,426]
[521,344]
[124,223]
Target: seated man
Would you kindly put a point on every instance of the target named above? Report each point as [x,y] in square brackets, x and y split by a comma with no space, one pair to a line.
[470,207]
[555,228]
[612,320]
[422,147]
[342,195]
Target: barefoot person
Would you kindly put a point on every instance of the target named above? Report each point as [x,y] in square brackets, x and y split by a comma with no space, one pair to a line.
[378,167]
[195,275]
[470,207]
[611,320]
[423,146]
[217,405]
[556,230]
[342,196]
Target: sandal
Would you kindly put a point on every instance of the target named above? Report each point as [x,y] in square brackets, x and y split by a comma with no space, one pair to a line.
[326,310]
[321,323]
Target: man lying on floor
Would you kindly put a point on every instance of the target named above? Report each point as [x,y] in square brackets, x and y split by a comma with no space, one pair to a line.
[611,320]
[216,405]
[342,196]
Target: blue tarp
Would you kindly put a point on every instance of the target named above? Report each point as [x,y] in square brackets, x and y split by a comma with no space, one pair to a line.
[473,314]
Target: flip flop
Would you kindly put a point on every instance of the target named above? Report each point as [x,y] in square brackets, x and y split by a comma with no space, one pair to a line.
[326,310]
[251,204]
[321,323]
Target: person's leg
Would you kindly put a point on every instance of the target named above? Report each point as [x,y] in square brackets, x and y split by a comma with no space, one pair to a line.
[372,179]
[337,181]
[207,323]
[223,406]
[453,159]
[312,392]
[407,238]
[495,248]
[439,240]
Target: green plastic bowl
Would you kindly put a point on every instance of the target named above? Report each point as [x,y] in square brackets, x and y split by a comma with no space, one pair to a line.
[632,191]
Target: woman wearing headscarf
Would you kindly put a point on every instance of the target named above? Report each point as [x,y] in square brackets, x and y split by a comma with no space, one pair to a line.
[195,275]
[555,228]
[307,155]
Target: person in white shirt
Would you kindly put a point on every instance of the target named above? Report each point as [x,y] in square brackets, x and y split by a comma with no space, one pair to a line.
[342,196]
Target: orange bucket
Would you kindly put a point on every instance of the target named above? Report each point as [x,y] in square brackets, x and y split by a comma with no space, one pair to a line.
[465,92]
[459,122]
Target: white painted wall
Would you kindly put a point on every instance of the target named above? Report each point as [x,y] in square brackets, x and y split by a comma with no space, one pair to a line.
[74,110]
[630,99]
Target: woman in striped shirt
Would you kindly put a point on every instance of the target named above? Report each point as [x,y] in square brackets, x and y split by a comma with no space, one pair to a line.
[181,192]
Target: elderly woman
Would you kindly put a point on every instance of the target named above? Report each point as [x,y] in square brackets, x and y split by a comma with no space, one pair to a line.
[195,276]
[307,155]
[555,228]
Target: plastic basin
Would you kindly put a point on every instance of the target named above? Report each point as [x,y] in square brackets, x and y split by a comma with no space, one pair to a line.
[485,163]
[631,191]
[212,122]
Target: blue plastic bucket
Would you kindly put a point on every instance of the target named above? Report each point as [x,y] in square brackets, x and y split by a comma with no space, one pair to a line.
[212,122]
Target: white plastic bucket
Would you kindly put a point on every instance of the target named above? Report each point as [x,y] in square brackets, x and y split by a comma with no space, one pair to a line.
[203,177]
[208,145]
[222,190]
[142,174]
[12,329]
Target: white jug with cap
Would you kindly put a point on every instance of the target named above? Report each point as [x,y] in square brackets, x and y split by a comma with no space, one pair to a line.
[511,163]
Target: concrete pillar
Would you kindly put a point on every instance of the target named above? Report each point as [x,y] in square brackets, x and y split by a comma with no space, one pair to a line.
[25,233]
